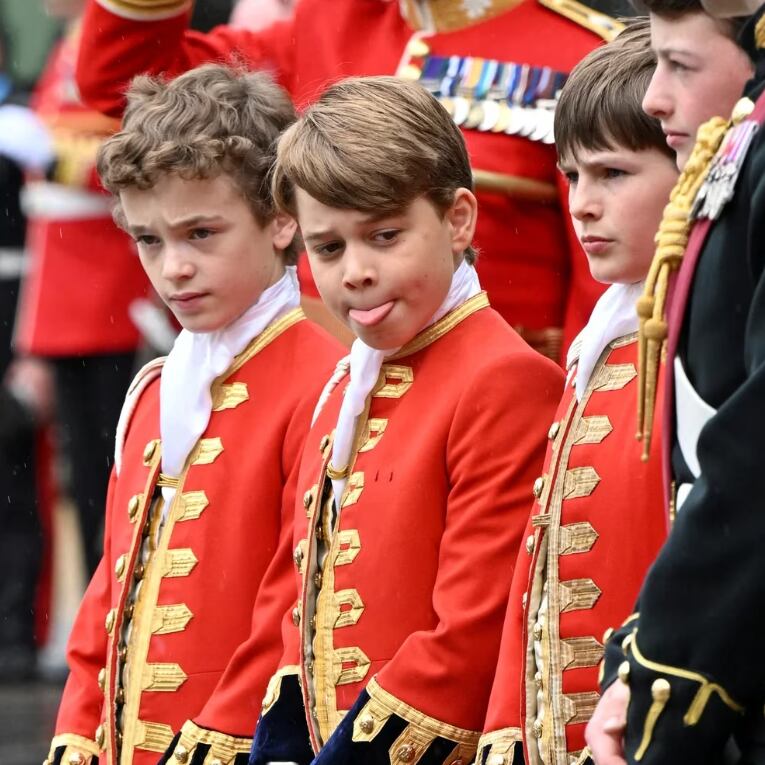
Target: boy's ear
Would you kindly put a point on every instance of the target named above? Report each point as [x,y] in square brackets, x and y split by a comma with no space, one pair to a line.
[283,228]
[462,217]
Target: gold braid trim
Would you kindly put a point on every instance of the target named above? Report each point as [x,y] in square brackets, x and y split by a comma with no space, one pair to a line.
[74,745]
[671,242]
[706,689]
[223,748]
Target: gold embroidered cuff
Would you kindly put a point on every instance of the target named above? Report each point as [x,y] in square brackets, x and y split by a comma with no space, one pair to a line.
[145,10]
[274,689]
[706,687]
[417,736]
[77,749]
[223,748]
[499,746]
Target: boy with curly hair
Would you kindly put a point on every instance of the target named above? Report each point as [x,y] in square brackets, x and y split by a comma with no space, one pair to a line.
[200,500]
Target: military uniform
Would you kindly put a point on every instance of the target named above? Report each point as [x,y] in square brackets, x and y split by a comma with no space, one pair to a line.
[691,653]
[392,643]
[596,525]
[165,644]
[474,54]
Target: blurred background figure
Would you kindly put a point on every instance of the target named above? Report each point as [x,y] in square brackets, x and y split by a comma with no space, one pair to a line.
[258,14]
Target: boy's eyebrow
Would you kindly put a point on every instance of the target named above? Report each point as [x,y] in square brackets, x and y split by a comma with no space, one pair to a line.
[366,219]
[193,220]
[669,50]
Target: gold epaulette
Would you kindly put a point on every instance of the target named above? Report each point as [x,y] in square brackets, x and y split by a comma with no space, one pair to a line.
[223,748]
[671,242]
[597,17]
[146,10]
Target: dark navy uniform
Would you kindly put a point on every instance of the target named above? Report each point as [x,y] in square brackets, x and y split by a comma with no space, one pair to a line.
[692,652]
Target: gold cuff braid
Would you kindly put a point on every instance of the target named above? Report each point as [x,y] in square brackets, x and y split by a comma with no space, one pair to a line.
[223,748]
[499,746]
[75,744]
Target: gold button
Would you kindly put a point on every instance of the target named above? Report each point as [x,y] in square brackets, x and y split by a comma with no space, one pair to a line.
[319,531]
[119,697]
[216,761]
[76,758]
[405,753]
[624,672]
[122,653]
[537,728]
[607,634]
[524,599]
[111,617]
[149,451]
[313,622]
[100,736]
[538,679]
[496,759]
[530,542]
[307,499]
[296,616]
[554,430]
[309,667]
[129,611]
[138,572]
[537,631]
[367,724]
[323,444]
[317,580]
[102,678]
[297,556]
[181,753]
[119,566]
[133,504]
[660,689]
[417,47]
[539,485]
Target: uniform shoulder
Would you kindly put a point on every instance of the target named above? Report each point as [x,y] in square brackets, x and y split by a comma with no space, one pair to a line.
[599,16]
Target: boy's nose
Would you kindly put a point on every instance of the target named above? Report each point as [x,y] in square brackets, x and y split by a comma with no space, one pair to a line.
[656,101]
[584,202]
[359,270]
[176,264]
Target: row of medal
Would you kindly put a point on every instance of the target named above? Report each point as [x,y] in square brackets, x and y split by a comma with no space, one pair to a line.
[495,96]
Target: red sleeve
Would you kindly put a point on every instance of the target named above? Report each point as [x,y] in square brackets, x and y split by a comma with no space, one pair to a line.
[235,703]
[115,48]
[494,452]
[80,711]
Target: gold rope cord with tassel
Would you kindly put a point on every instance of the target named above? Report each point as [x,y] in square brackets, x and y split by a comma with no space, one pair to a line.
[671,241]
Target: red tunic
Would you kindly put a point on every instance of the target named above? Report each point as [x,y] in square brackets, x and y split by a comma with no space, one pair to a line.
[404,598]
[191,650]
[594,530]
[83,271]
[530,261]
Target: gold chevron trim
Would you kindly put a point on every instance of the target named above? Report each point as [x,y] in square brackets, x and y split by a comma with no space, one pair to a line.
[577,538]
[229,395]
[206,451]
[163,678]
[614,377]
[592,430]
[349,546]
[190,505]
[578,707]
[167,619]
[151,736]
[580,482]
[580,652]
[179,562]
[578,594]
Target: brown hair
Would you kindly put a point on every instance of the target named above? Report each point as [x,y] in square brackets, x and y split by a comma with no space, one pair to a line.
[601,103]
[208,121]
[373,144]
[676,8]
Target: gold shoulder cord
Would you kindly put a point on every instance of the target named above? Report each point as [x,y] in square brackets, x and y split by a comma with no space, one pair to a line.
[671,241]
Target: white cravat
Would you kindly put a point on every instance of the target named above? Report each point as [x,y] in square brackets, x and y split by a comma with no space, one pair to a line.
[365,369]
[614,315]
[196,360]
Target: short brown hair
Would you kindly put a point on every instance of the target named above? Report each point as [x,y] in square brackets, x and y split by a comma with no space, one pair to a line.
[373,144]
[210,120]
[601,103]
[676,8]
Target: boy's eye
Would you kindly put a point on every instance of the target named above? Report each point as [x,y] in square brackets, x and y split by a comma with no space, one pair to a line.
[329,249]
[386,237]
[201,233]
[571,176]
[147,240]
[614,172]
[678,66]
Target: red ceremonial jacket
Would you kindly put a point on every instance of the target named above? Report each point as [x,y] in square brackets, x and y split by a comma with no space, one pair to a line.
[402,600]
[530,260]
[83,271]
[596,526]
[145,662]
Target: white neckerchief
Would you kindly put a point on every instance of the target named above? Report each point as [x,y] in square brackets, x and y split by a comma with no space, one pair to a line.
[365,369]
[196,360]
[614,315]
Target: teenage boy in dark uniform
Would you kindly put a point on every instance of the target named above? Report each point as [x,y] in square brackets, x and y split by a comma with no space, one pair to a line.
[690,674]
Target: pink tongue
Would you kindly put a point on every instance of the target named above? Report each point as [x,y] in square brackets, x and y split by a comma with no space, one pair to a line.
[372,316]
